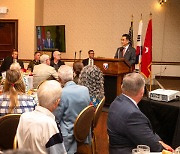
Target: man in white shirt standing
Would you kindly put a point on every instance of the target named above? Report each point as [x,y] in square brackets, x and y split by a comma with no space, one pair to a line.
[38,130]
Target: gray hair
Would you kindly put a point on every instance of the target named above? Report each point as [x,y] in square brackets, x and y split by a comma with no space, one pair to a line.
[92,78]
[132,83]
[65,73]
[56,53]
[48,92]
[15,66]
[43,58]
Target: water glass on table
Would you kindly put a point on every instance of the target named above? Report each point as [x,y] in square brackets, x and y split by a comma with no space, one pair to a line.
[143,149]
[135,151]
[177,150]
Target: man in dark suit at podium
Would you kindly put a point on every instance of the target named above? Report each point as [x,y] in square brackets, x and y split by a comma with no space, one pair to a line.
[89,61]
[126,51]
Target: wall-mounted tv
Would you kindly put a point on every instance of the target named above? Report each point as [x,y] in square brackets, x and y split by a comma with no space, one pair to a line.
[50,38]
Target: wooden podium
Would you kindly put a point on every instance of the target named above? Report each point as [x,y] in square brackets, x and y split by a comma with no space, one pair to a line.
[113,70]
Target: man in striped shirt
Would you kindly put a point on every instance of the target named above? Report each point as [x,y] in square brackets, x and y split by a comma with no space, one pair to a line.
[37,130]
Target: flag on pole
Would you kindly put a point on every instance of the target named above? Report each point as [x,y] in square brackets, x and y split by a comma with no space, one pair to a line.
[131,43]
[147,52]
[139,43]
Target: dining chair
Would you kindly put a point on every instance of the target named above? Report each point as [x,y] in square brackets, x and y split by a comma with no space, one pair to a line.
[82,128]
[8,127]
[95,121]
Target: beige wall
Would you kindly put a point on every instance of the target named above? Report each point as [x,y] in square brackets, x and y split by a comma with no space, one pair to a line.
[99,24]
[96,24]
[24,11]
[39,8]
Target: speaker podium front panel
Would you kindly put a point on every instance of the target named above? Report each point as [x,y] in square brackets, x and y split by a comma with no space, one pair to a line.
[113,70]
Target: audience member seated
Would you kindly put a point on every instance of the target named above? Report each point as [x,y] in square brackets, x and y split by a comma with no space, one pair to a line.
[56,62]
[9,60]
[77,67]
[89,61]
[43,71]
[36,61]
[14,99]
[15,66]
[37,130]
[92,78]
[73,100]
[127,125]
[26,78]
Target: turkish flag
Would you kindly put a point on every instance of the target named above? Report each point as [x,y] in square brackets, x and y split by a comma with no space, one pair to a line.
[147,52]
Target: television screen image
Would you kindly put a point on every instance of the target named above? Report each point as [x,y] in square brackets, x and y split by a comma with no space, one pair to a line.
[51,38]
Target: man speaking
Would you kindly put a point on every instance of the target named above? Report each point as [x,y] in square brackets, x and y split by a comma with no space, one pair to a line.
[126,51]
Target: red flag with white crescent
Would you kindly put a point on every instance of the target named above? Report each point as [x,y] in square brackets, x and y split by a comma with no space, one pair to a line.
[147,52]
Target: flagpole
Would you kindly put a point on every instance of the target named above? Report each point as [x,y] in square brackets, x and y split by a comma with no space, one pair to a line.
[132,30]
[150,88]
[140,51]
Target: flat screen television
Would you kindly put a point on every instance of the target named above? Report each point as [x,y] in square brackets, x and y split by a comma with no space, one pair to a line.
[51,38]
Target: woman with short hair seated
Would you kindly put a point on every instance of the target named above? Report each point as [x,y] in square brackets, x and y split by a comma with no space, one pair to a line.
[13,99]
[92,78]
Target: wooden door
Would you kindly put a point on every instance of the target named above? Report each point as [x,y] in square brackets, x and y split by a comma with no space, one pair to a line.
[8,37]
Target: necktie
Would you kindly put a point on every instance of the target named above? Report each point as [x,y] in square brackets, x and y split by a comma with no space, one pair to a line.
[49,43]
[91,62]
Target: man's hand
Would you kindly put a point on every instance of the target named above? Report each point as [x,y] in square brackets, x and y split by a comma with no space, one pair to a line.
[167,147]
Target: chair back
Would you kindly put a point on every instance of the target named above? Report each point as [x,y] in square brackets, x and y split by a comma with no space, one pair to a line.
[98,112]
[83,123]
[8,127]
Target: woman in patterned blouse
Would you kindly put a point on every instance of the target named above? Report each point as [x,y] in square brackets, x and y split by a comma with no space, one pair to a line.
[14,99]
[92,78]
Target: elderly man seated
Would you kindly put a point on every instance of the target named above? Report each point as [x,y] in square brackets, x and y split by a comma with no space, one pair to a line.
[38,130]
[56,62]
[43,71]
[73,100]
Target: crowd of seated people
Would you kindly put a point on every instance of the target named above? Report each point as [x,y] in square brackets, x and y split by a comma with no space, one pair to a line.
[68,106]
[47,127]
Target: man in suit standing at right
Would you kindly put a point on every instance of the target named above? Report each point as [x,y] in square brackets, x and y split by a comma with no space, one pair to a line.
[127,125]
[126,51]
[89,61]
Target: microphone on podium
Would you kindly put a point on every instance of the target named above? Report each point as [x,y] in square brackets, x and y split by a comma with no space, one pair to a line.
[75,56]
[80,54]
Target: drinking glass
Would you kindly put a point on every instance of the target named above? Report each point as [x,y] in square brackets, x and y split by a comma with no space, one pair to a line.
[1,89]
[135,151]
[177,150]
[143,149]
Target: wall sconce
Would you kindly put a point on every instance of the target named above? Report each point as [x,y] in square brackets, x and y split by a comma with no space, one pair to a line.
[162,1]
[3,10]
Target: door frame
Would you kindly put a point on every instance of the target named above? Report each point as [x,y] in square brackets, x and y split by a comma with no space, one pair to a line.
[15,21]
